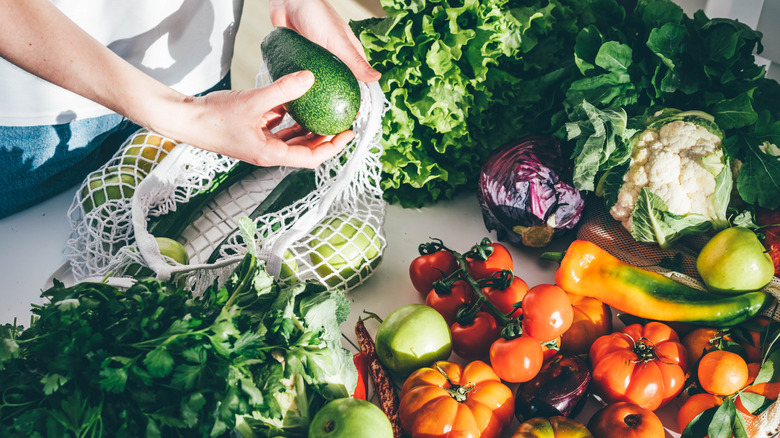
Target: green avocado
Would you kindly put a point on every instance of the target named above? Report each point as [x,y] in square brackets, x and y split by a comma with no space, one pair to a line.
[331,104]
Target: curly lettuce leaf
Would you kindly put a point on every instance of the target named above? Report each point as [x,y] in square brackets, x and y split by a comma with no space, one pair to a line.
[464,78]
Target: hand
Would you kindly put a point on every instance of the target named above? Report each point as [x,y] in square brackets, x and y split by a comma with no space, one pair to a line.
[319,22]
[238,123]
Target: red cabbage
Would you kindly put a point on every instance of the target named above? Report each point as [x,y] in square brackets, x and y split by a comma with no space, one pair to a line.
[525,192]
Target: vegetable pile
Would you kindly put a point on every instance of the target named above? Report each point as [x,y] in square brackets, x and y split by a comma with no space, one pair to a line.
[707,352]
[153,360]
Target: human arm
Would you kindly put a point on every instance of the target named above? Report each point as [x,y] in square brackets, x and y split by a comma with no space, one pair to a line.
[38,38]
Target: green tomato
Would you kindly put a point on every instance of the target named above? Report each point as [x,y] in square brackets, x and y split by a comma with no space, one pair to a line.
[350,418]
[113,182]
[341,249]
[734,261]
[411,337]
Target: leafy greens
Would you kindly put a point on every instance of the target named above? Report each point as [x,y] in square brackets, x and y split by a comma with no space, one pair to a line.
[153,360]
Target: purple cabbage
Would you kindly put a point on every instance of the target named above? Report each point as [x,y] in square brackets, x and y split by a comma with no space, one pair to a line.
[523,194]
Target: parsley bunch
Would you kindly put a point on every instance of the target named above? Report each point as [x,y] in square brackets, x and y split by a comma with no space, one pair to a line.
[153,360]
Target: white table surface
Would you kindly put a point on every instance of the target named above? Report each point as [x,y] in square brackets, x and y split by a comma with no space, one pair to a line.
[33,242]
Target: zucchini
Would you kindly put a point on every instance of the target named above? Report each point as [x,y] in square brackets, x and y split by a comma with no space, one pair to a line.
[290,189]
[173,223]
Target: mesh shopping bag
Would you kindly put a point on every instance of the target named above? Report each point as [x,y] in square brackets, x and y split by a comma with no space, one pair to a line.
[332,234]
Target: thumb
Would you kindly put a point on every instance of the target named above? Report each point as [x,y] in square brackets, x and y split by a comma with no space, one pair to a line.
[288,87]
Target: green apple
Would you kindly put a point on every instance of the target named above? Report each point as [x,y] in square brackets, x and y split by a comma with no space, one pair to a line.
[350,418]
[343,248]
[113,182]
[173,249]
[411,337]
[734,261]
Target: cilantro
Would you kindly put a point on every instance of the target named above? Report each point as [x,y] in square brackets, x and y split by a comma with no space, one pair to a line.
[154,360]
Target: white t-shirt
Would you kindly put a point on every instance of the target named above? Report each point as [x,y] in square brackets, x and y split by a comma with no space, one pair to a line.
[186,44]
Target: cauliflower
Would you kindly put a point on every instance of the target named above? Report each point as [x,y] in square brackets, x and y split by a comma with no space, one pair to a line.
[678,180]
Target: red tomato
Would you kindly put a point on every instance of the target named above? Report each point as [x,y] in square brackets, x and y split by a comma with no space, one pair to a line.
[644,365]
[625,420]
[458,295]
[547,312]
[472,341]
[505,299]
[516,360]
[428,268]
[498,259]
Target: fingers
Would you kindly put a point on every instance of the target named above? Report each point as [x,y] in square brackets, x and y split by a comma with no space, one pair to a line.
[287,88]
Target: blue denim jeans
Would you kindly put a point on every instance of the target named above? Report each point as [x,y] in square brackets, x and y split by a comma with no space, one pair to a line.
[38,162]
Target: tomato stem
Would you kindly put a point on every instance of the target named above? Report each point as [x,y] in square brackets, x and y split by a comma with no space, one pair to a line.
[458,392]
[501,319]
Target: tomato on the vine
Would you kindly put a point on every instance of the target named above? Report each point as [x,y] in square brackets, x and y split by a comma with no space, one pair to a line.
[505,299]
[547,312]
[472,341]
[428,268]
[644,365]
[516,360]
[449,301]
[497,258]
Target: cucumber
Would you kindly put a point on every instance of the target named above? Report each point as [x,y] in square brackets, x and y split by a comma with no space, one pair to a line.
[173,223]
[290,189]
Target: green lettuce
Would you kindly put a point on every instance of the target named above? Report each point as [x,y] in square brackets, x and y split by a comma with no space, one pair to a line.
[464,77]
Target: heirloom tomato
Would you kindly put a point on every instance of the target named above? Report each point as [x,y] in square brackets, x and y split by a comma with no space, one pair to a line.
[472,341]
[429,268]
[483,264]
[591,319]
[625,420]
[553,427]
[547,312]
[517,360]
[644,365]
[505,299]
[449,400]
[448,301]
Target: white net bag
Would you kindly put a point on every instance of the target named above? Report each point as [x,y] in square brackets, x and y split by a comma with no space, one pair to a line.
[324,224]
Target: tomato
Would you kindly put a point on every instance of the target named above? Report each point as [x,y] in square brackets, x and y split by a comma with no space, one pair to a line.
[458,295]
[644,365]
[553,427]
[547,312]
[625,420]
[702,340]
[592,319]
[516,360]
[505,299]
[449,400]
[498,259]
[472,341]
[428,268]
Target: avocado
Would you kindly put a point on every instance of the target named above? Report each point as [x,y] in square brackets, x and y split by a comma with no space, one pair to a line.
[331,104]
